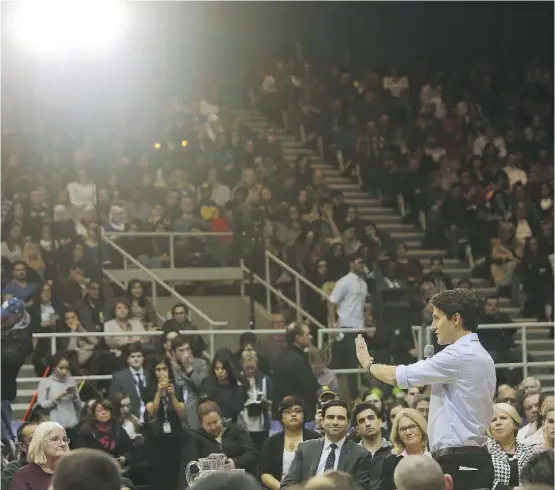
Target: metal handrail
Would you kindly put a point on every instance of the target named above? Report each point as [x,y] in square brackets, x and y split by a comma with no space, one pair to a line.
[170,234]
[301,278]
[156,281]
[112,278]
[323,330]
[271,289]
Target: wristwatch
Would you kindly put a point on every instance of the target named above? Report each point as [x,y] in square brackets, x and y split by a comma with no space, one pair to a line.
[369,365]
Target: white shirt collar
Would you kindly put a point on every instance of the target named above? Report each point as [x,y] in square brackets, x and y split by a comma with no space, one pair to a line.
[339,444]
[134,372]
[404,453]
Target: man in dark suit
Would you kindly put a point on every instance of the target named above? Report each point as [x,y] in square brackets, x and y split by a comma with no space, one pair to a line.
[333,452]
[293,375]
[132,380]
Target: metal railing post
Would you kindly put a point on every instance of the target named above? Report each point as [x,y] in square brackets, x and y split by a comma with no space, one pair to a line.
[172,252]
[125,270]
[420,337]
[267,278]
[242,283]
[524,344]
[53,345]
[428,337]
[298,298]
[212,342]
[320,338]
[154,294]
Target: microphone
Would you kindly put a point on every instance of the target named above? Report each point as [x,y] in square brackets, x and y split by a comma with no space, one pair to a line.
[428,351]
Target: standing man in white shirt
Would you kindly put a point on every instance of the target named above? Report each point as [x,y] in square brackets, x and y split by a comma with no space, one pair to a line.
[347,301]
[463,381]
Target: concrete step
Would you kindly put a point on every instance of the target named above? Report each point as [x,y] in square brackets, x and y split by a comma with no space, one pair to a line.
[398,227]
[344,187]
[379,219]
[407,235]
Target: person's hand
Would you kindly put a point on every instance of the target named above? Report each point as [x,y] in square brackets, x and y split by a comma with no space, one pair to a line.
[121,460]
[170,390]
[162,386]
[48,323]
[229,464]
[363,355]
[318,419]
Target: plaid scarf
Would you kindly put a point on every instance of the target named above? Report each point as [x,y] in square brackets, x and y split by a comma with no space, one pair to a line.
[105,436]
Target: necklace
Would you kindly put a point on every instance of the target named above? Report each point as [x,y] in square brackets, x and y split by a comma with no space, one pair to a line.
[293,443]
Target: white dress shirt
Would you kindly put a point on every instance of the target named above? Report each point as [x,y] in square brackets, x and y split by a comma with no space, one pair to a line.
[141,374]
[463,386]
[349,294]
[530,440]
[325,453]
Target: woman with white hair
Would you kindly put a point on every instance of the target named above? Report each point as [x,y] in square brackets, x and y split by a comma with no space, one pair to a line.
[508,455]
[48,445]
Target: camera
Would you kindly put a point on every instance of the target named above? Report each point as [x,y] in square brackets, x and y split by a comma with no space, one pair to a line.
[326,396]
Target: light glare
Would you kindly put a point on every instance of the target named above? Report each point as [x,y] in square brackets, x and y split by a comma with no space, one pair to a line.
[67,25]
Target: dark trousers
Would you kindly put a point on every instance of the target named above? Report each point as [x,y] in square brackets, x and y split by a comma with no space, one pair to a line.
[469,471]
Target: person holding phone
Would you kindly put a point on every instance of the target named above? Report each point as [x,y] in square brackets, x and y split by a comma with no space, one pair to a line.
[58,393]
[164,433]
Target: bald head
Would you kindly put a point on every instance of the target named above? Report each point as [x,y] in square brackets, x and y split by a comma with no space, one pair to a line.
[421,473]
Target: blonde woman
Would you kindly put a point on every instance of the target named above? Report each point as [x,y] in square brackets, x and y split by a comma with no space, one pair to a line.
[548,427]
[508,454]
[48,445]
[409,435]
[32,256]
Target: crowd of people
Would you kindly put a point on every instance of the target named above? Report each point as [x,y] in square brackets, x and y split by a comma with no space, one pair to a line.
[469,154]
[173,406]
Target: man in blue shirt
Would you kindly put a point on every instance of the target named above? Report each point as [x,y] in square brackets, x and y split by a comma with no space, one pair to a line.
[463,381]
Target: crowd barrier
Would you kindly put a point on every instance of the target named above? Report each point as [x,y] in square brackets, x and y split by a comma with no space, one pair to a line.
[422,334]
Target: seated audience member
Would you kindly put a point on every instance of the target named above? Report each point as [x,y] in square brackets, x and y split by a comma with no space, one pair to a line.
[141,308]
[508,454]
[25,433]
[222,386]
[539,469]
[190,374]
[48,446]
[104,432]
[89,469]
[59,394]
[258,405]
[130,423]
[367,423]
[548,426]
[409,436]
[334,451]
[216,437]
[80,349]
[440,279]
[320,362]
[132,380]
[407,271]
[122,323]
[19,287]
[164,433]
[531,433]
[421,472]
[421,403]
[278,450]
[248,342]
[46,313]
[529,384]
[12,245]
[331,480]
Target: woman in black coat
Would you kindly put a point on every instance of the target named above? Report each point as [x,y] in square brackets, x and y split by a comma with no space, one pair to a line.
[273,466]
[104,432]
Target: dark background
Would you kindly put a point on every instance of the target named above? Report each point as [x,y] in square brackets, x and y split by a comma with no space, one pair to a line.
[169,44]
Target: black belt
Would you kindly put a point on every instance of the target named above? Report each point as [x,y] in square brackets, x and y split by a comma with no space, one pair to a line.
[459,451]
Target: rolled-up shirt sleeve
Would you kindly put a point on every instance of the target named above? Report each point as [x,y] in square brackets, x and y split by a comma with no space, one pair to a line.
[441,368]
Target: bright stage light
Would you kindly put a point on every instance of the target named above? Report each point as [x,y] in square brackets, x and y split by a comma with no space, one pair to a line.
[68,25]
